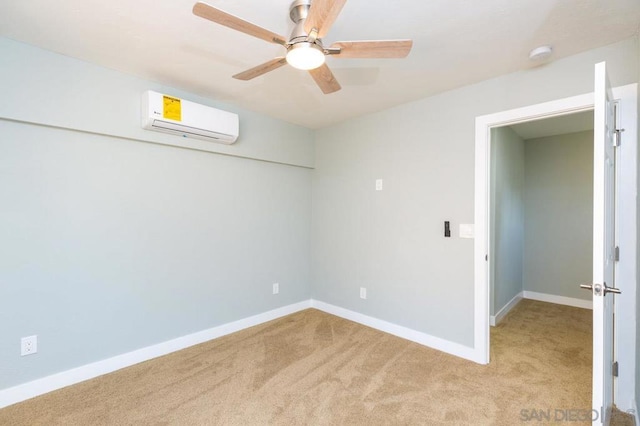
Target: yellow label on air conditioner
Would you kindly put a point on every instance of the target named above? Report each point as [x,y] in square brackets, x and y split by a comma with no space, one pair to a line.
[171,108]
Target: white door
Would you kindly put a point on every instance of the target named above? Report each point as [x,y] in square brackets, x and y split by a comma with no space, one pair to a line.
[603,246]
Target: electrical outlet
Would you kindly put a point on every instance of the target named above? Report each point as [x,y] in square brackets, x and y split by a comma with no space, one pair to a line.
[363,293]
[378,184]
[276,288]
[28,345]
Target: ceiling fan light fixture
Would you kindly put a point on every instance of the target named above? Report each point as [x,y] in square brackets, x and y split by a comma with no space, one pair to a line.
[305,56]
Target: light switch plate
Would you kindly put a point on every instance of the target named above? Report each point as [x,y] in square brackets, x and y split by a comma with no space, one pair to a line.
[467,230]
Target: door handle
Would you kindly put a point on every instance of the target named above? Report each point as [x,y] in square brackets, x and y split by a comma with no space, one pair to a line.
[611,290]
[600,289]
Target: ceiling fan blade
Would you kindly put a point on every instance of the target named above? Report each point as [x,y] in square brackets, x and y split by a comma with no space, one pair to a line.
[325,79]
[373,48]
[206,11]
[322,14]
[261,69]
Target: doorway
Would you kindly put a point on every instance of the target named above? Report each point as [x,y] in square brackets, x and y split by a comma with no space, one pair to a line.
[484,124]
[540,249]
[541,212]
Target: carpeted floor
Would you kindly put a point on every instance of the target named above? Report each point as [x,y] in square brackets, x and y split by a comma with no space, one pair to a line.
[618,418]
[314,368]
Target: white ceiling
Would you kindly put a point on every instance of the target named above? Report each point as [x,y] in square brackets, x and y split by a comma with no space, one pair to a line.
[456,42]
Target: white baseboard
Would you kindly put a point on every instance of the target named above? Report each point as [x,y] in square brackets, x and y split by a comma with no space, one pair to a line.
[400,331]
[495,320]
[560,300]
[56,381]
[50,383]
[543,297]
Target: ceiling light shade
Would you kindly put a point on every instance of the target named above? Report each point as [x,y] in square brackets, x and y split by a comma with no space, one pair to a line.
[305,56]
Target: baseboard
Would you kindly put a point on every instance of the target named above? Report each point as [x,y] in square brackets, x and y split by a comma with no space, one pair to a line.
[543,297]
[495,320]
[400,331]
[559,300]
[60,380]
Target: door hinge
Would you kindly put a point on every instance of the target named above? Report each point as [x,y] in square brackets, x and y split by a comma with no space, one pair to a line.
[617,137]
[616,254]
[614,369]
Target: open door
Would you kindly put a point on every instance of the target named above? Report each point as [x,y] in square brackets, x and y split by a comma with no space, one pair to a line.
[603,246]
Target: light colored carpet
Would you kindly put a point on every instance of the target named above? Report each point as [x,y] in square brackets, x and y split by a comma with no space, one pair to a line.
[619,418]
[315,368]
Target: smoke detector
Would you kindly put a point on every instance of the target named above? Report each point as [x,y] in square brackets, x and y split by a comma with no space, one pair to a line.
[540,53]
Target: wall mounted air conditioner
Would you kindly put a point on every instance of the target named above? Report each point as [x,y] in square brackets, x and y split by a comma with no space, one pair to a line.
[169,114]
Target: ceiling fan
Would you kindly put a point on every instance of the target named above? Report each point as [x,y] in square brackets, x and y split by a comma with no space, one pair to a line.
[305,50]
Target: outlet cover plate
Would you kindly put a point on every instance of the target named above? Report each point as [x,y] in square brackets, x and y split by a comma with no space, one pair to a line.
[28,345]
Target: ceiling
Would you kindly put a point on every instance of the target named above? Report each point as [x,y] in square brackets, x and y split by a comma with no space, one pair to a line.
[571,123]
[456,42]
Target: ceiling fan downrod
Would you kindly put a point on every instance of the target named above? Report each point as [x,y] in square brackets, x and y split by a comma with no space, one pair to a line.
[298,12]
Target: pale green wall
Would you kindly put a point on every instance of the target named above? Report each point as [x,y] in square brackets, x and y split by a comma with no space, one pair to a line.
[124,244]
[542,198]
[507,220]
[638,260]
[110,244]
[558,229]
[391,241]
[43,87]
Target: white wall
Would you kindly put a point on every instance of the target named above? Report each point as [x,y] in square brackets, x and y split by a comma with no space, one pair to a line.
[391,241]
[110,244]
[507,220]
[558,227]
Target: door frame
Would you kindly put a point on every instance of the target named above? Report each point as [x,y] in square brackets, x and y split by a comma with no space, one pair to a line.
[627,218]
[482,247]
